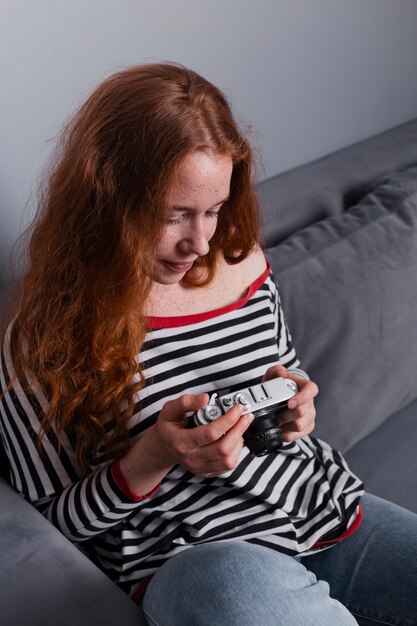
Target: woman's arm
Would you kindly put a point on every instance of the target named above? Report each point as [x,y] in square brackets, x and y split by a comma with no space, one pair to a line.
[82,507]
[79,506]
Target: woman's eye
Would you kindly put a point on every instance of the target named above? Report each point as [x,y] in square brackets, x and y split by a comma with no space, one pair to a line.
[173,220]
[177,219]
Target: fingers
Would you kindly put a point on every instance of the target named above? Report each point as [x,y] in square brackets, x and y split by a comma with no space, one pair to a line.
[297,423]
[275,371]
[176,409]
[307,391]
[222,454]
[213,447]
[232,419]
[299,419]
[292,432]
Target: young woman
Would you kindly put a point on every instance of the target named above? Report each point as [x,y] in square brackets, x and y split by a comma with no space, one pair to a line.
[146,289]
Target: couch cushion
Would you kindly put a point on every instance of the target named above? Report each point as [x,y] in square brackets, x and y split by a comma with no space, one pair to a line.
[349,290]
[386,460]
[328,186]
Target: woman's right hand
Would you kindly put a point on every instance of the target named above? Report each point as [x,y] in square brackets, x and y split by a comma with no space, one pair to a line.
[207,450]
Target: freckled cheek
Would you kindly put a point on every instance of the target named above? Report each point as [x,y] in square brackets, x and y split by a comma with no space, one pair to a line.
[167,244]
[172,239]
[210,234]
[212,229]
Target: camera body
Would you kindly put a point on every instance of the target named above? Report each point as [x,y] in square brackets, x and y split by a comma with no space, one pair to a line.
[264,400]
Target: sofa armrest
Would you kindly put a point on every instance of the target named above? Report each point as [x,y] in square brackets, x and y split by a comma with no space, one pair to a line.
[47,580]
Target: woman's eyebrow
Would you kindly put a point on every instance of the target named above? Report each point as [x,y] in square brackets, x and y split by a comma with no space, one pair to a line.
[178,207]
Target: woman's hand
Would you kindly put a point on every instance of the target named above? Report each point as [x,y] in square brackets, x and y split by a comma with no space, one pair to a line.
[210,449]
[207,450]
[298,419]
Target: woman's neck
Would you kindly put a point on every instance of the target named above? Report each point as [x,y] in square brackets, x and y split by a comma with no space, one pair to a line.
[230,283]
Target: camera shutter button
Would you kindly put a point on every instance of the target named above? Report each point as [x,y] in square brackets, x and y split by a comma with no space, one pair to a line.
[241,398]
[292,385]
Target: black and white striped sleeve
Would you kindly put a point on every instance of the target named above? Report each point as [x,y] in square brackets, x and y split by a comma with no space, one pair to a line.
[79,506]
[286,350]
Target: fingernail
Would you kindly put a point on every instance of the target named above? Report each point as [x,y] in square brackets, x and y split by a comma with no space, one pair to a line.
[292,404]
[249,417]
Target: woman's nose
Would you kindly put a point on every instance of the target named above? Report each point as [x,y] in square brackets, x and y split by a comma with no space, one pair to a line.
[196,241]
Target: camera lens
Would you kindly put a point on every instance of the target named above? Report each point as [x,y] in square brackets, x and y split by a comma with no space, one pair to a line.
[263,435]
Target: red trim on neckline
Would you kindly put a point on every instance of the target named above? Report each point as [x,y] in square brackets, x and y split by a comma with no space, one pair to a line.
[185,320]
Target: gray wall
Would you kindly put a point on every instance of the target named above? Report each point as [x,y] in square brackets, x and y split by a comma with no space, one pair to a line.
[311,76]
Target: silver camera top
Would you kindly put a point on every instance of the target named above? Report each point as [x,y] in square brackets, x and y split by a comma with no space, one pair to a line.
[260,399]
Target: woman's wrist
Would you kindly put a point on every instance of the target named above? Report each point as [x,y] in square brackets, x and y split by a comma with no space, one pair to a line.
[123,484]
[142,466]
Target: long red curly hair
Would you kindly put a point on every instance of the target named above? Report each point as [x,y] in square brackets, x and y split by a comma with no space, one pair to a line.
[78,320]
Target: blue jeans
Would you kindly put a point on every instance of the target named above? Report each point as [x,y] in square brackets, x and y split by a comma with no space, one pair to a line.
[369,578]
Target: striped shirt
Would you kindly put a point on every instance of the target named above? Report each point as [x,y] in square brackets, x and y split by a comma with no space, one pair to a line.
[296,500]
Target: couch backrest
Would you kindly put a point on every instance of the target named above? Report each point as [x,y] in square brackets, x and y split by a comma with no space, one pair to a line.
[331,185]
[349,290]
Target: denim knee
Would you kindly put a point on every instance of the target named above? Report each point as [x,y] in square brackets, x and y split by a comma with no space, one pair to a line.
[239,584]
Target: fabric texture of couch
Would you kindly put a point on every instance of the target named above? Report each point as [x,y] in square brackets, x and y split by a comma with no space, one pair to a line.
[341,236]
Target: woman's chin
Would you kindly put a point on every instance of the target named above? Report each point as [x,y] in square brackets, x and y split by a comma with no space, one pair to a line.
[169,274]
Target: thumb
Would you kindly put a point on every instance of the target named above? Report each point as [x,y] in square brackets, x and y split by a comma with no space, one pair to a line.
[176,409]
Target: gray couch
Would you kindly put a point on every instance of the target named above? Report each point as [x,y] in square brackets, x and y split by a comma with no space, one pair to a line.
[341,235]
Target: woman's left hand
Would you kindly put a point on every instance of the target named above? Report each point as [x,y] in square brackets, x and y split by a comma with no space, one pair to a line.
[298,419]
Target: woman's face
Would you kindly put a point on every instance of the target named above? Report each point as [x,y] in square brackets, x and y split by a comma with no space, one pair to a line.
[194,203]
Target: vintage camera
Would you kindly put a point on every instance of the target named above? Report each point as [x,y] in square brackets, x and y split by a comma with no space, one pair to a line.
[264,400]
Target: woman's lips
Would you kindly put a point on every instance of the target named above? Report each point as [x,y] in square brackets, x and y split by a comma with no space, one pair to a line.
[179,267]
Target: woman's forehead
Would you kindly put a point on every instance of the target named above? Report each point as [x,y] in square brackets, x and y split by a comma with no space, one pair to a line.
[202,174]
